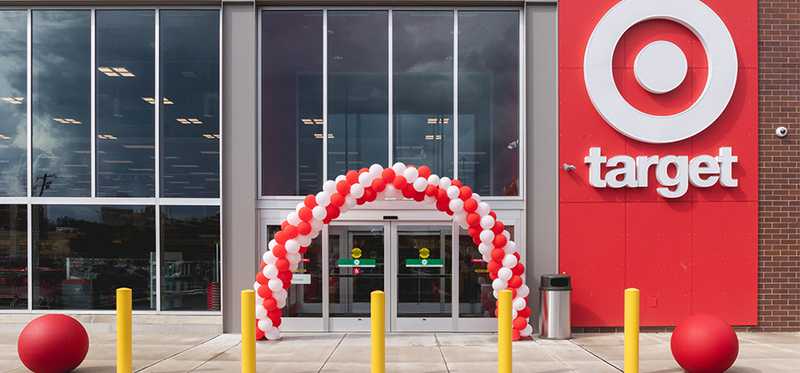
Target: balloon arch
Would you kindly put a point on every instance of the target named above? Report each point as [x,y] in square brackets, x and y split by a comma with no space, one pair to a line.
[289,244]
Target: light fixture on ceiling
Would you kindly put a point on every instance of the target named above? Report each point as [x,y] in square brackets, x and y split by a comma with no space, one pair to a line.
[211,136]
[106,136]
[13,100]
[116,71]
[434,120]
[433,137]
[149,100]
[166,101]
[67,121]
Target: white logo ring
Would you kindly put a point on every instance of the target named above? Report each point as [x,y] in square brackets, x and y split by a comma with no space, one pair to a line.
[608,101]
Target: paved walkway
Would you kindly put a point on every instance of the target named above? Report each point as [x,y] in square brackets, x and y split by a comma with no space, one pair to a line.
[418,353]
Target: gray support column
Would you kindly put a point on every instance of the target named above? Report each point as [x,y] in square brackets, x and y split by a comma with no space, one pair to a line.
[542,139]
[239,154]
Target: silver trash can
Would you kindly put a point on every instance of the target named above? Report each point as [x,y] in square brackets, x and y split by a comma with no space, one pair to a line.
[554,312]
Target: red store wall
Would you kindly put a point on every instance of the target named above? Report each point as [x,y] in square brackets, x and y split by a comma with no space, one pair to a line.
[694,254]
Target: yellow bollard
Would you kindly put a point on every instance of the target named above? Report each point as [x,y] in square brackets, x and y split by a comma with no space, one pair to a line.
[248,331]
[504,332]
[124,340]
[631,330]
[376,314]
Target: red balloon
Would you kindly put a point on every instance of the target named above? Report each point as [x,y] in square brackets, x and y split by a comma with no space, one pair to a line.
[492,275]
[333,212]
[305,214]
[498,255]
[474,221]
[310,201]
[303,228]
[500,240]
[441,206]
[408,191]
[494,266]
[431,190]
[470,205]
[518,270]
[282,264]
[264,292]
[473,231]
[290,231]
[387,175]
[363,170]
[493,214]
[515,335]
[337,200]
[270,303]
[399,182]
[424,171]
[704,344]
[514,282]
[279,251]
[261,265]
[259,334]
[284,224]
[418,196]
[519,323]
[53,344]
[351,177]
[303,250]
[379,184]
[280,237]
[457,183]
[343,187]
[465,192]
[370,195]
[525,312]
[275,316]
[261,279]
[498,227]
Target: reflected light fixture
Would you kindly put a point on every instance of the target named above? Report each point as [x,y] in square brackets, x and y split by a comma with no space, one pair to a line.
[13,100]
[433,137]
[211,136]
[67,121]
[149,100]
[116,71]
[4,137]
[434,120]
[106,136]
[311,122]
[319,136]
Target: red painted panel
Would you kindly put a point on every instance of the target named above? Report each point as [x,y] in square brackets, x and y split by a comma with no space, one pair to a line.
[725,261]
[697,253]
[596,260]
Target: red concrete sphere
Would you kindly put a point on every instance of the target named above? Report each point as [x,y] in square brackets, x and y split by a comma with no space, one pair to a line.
[53,344]
[704,344]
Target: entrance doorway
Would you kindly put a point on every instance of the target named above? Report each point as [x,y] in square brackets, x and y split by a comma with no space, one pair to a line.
[411,262]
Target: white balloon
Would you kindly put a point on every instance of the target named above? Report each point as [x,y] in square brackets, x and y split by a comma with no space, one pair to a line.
[487,222]
[527,331]
[411,173]
[484,248]
[461,219]
[319,212]
[514,313]
[364,179]
[445,182]
[280,294]
[275,284]
[456,205]
[476,197]
[349,202]
[504,274]
[269,257]
[487,236]
[261,312]
[323,198]
[509,261]
[399,168]
[523,291]
[281,302]
[508,235]
[303,240]
[256,285]
[272,243]
[316,225]
[433,179]
[483,209]
[273,334]
[511,247]
[270,271]
[420,184]
[294,258]
[293,266]
[486,257]
[357,190]
[453,192]
[519,303]
[259,300]
[292,246]
[299,206]
[375,169]
[293,219]
[340,178]
[495,294]
[329,186]
[497,284]
[264,324]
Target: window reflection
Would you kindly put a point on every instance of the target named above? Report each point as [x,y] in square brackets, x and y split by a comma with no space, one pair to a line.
[190,258]
[81,254]
[13,257]
[13,103]
[61,89]
[423,89]
[358,88]
[125,77]
[305,294]
[488,101]
[291,102]
[189,86]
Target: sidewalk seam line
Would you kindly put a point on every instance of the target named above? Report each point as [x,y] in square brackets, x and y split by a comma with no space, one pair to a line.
[595,355]
[439,346]
[332,352]
[176,354]
[216,356]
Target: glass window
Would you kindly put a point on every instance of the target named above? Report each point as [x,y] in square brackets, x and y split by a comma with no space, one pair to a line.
[358,86]
[488,101]
[475,287]
[190,257]
[81,254]
[61,89]
[423,89]
[189,86]
[291,102]
[357,266]
[305,294]
[425,272]
[13,257]
[13,103]
[125,103]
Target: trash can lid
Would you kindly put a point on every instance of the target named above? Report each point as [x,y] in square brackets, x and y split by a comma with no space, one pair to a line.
[557,282]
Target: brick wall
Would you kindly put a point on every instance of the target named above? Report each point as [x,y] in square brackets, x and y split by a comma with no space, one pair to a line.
[779,190]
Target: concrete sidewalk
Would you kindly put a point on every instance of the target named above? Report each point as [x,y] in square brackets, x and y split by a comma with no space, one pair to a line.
[418,353]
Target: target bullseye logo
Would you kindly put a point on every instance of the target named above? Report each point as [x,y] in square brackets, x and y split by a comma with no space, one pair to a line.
[660,67]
